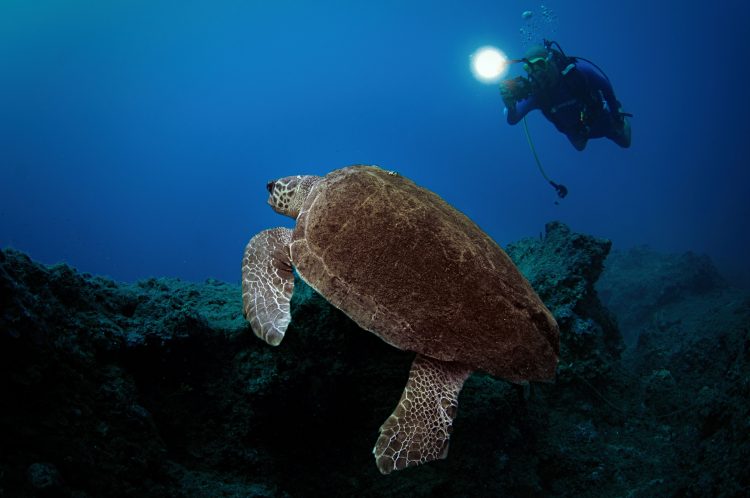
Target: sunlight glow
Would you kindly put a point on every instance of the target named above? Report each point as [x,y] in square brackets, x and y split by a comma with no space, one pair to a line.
[489,64]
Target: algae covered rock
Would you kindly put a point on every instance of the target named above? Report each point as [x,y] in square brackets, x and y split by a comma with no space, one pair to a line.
[158,388]
[640,282]
[96,377]
[563,267]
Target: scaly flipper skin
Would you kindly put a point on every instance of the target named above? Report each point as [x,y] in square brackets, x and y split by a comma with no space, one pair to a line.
[419,428]
[267,284]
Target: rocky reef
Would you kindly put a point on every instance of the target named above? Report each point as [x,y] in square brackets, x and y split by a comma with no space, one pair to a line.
[160,389]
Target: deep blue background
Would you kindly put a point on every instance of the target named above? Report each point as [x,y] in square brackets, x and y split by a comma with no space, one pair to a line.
[136,137]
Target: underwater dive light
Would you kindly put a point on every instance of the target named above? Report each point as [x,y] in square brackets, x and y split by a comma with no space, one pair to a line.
[489,64]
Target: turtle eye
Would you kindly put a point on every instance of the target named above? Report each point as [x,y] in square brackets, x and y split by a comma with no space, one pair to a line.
[269,186]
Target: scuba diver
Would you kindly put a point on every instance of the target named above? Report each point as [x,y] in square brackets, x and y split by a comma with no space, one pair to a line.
[572,93]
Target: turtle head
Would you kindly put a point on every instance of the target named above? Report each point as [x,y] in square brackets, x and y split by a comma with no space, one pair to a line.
[289,193]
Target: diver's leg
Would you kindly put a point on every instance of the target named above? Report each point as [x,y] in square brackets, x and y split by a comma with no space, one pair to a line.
[622,134]
[578,141]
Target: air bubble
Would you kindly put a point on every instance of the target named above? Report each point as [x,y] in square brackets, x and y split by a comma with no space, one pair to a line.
[538,25]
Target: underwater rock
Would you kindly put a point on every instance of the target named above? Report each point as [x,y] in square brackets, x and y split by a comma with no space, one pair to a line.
[689,364]
[159,388]
[660,394]
[44,479]
[638,283]
[563,267]
[89,369]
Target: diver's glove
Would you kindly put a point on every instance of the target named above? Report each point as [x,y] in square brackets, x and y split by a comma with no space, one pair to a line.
[514,89]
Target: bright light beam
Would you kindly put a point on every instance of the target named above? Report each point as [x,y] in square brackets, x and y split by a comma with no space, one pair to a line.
[489,64]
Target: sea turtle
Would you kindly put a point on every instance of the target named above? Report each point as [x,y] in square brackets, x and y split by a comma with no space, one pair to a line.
[408,267]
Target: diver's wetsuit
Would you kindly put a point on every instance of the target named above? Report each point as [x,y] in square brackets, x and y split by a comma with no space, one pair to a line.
[582,90]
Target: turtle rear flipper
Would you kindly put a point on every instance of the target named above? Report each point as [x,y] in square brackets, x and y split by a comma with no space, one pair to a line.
[267,284]
[419,428]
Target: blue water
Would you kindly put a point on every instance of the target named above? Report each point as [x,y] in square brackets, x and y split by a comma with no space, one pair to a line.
[137,137]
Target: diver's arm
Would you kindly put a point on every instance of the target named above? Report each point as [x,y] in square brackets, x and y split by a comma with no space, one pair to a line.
[518,97]
[517,111]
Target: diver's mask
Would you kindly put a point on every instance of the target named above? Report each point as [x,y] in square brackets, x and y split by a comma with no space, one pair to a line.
[541,71]
[537,64]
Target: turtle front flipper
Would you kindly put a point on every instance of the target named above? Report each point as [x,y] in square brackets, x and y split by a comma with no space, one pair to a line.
[419,428]
[267,284]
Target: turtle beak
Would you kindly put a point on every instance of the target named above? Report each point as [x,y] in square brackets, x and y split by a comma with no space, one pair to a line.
[269,186]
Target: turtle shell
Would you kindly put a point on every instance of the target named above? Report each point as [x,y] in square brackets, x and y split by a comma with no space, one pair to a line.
[410,268]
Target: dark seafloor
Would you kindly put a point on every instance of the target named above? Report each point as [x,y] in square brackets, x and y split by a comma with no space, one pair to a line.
[160,389]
